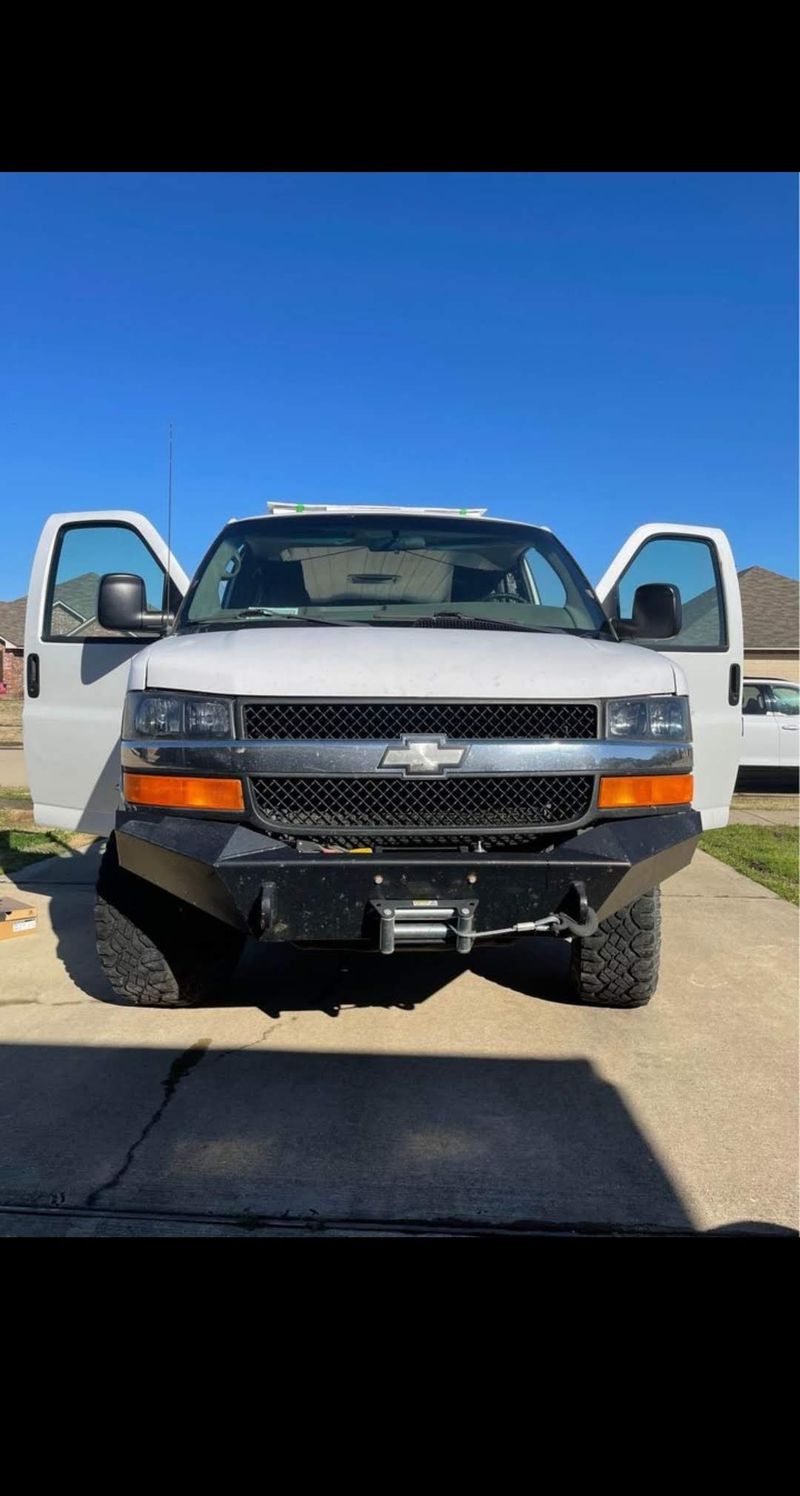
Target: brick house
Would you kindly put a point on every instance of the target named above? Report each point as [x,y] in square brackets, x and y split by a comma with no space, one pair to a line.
[12,641]
[74,613]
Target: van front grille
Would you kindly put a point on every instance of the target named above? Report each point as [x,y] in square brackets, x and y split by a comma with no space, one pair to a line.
[382,721]
[476,803]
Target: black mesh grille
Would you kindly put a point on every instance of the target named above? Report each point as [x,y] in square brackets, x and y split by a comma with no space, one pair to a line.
[479,802]
[382,720]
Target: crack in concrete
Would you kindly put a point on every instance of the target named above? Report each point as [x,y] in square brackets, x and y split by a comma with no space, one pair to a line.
[746,898]
[295,1224]
[262,1038]
[178,1070]
[34,1002]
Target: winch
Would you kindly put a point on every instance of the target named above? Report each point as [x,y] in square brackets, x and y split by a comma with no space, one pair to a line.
[430,922]
[425,922]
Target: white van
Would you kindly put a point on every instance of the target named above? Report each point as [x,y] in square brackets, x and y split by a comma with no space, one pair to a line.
[380,729]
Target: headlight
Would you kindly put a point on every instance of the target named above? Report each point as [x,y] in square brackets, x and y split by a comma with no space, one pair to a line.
[156,714]
[649,717]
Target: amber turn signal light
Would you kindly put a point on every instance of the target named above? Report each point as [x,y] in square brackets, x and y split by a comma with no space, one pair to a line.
[178,792]
[645,789]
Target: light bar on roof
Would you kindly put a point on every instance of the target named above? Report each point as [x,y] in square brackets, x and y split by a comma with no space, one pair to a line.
[280,506]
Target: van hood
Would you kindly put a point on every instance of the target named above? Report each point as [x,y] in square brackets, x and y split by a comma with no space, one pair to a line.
[441,664]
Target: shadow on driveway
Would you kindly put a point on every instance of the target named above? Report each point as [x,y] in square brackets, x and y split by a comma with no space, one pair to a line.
[256,1136]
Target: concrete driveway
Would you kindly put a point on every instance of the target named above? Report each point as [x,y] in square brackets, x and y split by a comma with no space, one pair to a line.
[388,1095]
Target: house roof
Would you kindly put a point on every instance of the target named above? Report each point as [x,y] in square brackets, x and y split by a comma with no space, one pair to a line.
[79,594]
[771,607]
[12,622]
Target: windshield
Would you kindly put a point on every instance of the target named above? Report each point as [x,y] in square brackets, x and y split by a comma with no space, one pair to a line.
[366,569]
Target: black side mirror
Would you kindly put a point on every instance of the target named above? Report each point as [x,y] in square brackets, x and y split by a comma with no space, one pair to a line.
[657,613]
[122,606]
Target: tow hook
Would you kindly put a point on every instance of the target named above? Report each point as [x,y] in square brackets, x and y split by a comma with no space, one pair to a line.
[585,921]
[583,931]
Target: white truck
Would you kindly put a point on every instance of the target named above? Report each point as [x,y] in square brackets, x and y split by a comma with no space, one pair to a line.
[383,730]
[771,728]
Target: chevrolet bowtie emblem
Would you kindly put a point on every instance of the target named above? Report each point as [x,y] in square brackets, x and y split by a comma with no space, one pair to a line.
[422,757]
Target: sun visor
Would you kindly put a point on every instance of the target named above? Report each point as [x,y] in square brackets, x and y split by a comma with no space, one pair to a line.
[356,574]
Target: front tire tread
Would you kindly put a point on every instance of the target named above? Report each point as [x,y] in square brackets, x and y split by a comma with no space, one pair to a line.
[618,966]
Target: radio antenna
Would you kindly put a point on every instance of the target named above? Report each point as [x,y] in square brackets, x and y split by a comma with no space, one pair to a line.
[169,525]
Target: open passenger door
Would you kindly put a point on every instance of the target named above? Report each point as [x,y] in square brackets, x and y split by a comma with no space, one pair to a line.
[708,647]
[76,672]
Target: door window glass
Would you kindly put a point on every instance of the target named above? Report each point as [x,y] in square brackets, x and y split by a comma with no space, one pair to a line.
[689,565]
[786,699]
[754,701]
[85,554]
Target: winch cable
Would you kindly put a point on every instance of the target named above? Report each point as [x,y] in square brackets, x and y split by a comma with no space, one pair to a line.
[553,923]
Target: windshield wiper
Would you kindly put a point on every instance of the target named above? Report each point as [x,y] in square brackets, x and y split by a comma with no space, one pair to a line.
[274,615]
[468,619]
[263,616]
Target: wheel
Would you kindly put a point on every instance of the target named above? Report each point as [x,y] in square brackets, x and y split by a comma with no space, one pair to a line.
[155,950]
[617,967]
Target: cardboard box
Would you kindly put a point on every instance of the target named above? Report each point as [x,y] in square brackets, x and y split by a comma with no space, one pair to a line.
[16,919]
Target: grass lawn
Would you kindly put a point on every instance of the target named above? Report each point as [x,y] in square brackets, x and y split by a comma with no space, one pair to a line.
[10,720]
[767,854]
[21,842]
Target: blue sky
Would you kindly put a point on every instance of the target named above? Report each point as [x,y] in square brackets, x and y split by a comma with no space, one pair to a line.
[585,351]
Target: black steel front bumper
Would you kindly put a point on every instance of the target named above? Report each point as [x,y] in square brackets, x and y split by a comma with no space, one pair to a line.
[257,884]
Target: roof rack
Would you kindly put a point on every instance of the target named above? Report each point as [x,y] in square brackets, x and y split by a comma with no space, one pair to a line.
[279,506]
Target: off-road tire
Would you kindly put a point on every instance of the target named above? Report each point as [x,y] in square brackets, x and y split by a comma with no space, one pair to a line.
[154,949]
[617,967]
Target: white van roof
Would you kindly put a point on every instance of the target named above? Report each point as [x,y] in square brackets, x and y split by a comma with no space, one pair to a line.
[280,506]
